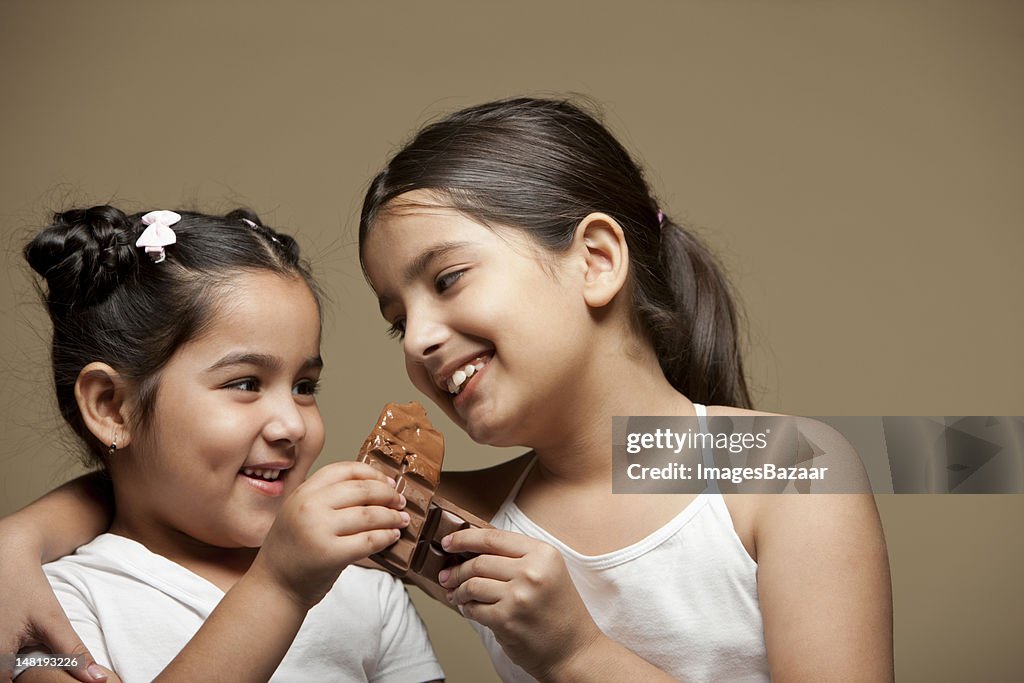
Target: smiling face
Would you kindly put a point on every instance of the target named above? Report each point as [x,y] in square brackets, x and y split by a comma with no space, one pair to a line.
[493,327]
[235,426]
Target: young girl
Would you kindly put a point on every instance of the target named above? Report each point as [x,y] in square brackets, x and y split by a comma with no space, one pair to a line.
[539,290]
[186,356]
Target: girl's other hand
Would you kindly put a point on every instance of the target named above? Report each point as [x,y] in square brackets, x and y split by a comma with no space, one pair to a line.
[343,513]
[519,588]
[31,615]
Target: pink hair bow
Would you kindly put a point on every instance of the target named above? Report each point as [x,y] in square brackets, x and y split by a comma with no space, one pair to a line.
[159,234]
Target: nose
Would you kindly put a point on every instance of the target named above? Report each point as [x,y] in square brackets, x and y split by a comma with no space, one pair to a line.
[424,335]
[286,422]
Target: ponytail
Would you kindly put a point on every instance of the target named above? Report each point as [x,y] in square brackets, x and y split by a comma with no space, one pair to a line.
[696,335]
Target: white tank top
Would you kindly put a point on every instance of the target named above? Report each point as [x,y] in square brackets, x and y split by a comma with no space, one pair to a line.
[684,598]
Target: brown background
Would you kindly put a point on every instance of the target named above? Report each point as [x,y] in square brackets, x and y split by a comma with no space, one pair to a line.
[857,166]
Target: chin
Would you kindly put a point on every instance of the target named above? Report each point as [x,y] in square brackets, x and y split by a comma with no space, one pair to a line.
[253,535]
[489,434]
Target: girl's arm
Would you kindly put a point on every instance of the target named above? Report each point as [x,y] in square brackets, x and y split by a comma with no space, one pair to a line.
[824,587]
[51,527]
[823,575]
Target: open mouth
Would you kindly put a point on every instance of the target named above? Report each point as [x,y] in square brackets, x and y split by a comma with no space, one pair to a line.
[264,474]
[458,380]
[268,481]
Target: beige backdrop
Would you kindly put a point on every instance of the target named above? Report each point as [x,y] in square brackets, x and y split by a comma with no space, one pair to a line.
[857,166]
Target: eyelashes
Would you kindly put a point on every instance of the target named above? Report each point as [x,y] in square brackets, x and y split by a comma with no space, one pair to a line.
[245,384]
[306,387]
[445,282]
[397,330]
[442,284]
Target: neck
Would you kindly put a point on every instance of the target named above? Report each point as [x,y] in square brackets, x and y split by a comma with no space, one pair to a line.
[219,565]
[618,382]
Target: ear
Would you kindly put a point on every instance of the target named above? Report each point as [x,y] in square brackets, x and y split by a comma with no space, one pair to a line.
[602,244]
[102,399]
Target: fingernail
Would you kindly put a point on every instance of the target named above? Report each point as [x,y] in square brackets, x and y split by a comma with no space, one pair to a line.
[446,541]
[405,517]
[443,576]
[96,672]
[392,482]
[401,499]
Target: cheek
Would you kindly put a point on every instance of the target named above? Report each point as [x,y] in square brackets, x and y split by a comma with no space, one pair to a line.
[418,376]
[215,434]
[316,435]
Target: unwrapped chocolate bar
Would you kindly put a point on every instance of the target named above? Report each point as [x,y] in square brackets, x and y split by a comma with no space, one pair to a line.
[406,447]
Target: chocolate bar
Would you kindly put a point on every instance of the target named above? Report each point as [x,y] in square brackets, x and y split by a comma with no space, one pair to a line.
[406,447]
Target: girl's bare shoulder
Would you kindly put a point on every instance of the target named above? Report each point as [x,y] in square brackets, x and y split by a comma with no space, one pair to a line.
[752,513]
[823,436]
[483,491]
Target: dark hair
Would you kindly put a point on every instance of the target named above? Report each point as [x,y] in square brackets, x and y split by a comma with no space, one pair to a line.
[111,303]
[542,166]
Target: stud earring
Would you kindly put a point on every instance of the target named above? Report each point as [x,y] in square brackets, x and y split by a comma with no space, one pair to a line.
[112,448]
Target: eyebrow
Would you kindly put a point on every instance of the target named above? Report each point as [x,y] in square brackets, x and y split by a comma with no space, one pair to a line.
[260,360]
[420,265]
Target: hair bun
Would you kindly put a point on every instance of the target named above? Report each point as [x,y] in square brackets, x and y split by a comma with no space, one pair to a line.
[84,254]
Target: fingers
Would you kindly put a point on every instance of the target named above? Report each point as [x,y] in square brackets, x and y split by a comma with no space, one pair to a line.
[346,484]
[489,542]
[57,634]
[345,471]
[486,566]
[367,543]
[361,492]
[105,674]
[354,520]
[479,590]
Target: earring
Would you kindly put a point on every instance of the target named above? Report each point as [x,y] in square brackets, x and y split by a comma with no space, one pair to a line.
[112,448]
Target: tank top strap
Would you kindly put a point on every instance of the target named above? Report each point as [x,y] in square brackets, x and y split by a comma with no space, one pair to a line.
[708,456]
[514,491]
[702,415]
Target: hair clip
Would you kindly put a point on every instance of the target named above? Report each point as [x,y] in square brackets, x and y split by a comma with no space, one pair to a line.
[253,225]
[158,234]
[661,218]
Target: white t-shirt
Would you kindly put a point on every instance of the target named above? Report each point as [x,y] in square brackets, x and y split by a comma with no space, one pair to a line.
[135,610]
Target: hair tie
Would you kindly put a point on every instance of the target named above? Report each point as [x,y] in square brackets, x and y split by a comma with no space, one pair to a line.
[661,218]
[158,234]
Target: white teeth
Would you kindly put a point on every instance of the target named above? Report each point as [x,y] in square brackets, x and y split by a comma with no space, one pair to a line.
[459,377]
[268,475]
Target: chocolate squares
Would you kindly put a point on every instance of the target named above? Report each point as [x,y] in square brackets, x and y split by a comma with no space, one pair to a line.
[406,447]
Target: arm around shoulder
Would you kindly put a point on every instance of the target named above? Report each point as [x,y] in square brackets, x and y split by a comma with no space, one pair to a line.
[49,528]
[39,675]
[63,519]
